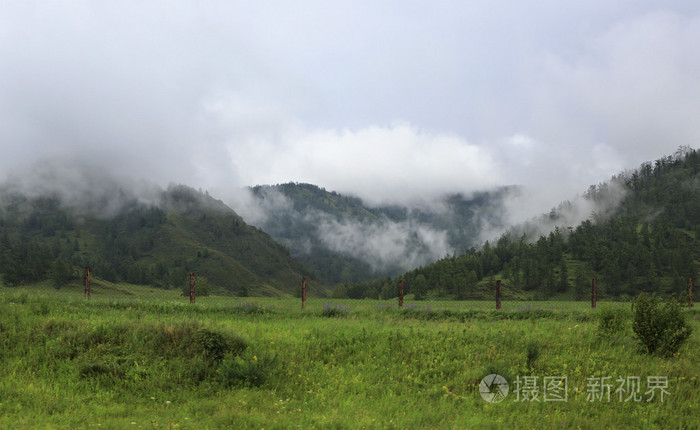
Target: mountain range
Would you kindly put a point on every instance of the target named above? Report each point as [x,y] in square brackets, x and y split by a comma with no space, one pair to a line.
[638,231]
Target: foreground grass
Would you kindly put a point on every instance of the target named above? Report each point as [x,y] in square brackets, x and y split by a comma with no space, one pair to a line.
[265,363]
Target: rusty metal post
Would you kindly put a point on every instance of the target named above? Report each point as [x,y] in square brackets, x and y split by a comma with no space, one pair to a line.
[498,294]
[303,292]
[87,282]
[400,294]
[594,288]
[690,292]
[192,287]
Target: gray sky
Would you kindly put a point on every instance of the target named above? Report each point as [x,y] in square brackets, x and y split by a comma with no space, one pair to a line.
[388,100]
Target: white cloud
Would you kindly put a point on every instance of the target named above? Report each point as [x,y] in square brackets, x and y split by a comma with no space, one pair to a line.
[549,95]
[395,164]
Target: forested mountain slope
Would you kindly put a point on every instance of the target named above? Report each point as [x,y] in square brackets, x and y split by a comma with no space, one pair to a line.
[44,237]
[650,241]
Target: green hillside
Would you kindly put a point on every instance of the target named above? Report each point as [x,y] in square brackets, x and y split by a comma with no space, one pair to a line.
[147,244]
[650,241]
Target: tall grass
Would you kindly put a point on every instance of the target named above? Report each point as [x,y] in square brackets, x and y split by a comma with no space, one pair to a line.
[162,363]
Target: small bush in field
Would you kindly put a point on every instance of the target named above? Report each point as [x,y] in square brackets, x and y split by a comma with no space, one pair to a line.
[612,322]
[659,326]
[240,371]
[215,345]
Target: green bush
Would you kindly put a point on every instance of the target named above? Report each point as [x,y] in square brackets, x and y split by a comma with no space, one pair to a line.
[240,371]
[612,322]
[214,345]
[659,326]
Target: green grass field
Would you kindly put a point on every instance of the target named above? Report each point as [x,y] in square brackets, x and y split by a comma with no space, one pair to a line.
[155,361]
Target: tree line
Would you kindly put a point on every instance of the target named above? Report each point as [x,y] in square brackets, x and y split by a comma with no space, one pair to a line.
[650,242]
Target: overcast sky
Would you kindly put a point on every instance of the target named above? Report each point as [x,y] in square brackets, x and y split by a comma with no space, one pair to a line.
[387,100]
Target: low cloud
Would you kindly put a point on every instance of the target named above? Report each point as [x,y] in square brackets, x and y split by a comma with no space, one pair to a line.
[80,188]
[384,244]
[388,239]
[257,210]
[600,202]
[398,164]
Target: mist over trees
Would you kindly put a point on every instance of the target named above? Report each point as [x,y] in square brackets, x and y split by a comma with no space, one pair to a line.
[642,234]
[342,239]
[650,242]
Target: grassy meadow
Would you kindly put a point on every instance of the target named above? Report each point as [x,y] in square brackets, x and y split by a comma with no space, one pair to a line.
[155,361]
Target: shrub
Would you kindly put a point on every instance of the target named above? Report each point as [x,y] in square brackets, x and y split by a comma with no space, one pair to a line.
[660,327]
[611,322]
[239,371]
[215,345]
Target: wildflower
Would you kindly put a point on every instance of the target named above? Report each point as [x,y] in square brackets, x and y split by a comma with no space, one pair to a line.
[255,358]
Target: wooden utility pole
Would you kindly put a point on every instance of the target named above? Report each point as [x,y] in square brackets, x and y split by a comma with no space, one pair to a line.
[690,292]
[594,288]
[191,287]
[87,282]
[303,292]
[400,293]
[498,294]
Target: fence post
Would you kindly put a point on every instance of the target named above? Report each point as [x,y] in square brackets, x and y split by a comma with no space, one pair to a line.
[191,287]
[594,287]
[87,282]
[498,294]
[400,293]
[690,292]
[303,292]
